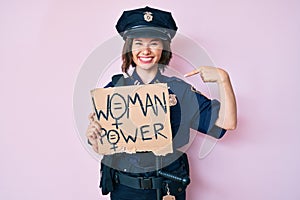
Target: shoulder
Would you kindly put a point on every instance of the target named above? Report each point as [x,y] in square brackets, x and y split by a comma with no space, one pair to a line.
[117,77]
[116,80]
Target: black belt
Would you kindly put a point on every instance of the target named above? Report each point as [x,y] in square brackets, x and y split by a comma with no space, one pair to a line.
[139,182]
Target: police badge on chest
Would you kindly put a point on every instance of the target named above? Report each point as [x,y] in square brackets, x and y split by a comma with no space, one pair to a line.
[172,99]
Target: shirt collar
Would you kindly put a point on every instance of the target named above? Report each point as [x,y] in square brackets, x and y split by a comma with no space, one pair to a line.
[135,78]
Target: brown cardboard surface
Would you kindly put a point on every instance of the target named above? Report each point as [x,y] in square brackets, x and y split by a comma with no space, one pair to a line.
[133,119]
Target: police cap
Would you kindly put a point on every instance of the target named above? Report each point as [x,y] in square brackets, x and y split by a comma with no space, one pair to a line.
[146,22]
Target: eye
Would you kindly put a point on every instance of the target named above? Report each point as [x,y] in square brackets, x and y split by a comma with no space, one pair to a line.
[154,43]
[138,43]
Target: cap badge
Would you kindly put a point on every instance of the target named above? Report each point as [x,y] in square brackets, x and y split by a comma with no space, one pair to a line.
[148,16]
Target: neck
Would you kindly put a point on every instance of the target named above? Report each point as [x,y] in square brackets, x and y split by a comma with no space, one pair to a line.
[147,75]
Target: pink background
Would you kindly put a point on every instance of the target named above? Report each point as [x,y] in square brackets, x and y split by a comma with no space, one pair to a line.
[44,43]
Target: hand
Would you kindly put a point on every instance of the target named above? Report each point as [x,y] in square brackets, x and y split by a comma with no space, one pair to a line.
[93,132]
[210,74]
[228,112]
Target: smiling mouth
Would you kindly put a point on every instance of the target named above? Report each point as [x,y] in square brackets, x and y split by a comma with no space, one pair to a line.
[145,59]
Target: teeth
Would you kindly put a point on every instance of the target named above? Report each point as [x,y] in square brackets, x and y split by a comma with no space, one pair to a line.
[145,59]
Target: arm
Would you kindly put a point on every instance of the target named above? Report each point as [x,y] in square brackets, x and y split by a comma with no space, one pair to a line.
[228,112]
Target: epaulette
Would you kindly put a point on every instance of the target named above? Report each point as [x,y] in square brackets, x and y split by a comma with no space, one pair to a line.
[118,80]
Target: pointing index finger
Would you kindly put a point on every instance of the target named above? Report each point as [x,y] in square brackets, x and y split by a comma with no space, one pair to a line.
[196,71]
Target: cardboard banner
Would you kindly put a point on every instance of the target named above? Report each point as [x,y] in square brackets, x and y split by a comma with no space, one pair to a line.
[133,119]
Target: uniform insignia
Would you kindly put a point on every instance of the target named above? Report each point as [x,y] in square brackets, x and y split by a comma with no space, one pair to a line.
[148,16]
[172,99]
[136,82]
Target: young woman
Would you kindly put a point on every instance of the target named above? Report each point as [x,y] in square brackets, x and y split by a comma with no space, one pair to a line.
[148,33]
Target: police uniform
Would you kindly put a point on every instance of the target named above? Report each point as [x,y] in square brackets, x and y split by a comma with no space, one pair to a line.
[134,176]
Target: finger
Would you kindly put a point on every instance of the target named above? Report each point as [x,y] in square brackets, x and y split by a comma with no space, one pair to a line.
[196,71]
[91,117]
[92,129]
[92,141]
[96,127]
[95,147]
[91,135]
[95,132]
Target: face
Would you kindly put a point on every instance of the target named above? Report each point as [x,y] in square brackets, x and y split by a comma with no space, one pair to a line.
[146,52]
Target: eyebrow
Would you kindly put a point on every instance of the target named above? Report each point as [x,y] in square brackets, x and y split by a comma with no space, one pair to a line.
[153,40]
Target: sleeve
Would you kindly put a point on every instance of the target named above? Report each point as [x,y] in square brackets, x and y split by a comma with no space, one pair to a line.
[110,84]
[202,113]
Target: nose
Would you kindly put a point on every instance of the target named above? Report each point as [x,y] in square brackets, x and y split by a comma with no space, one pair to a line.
[146,50]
